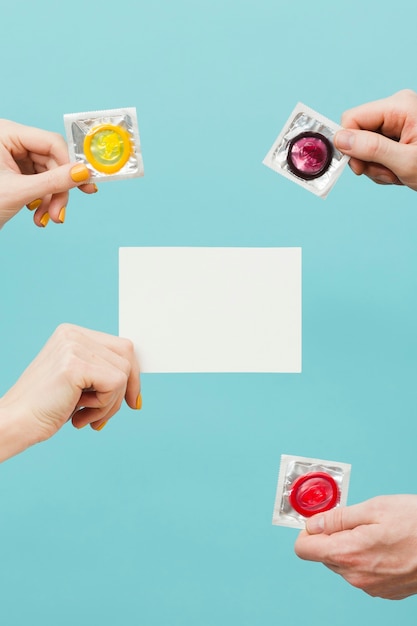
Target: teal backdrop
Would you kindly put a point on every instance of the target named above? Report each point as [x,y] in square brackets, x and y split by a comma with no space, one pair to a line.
[164,517]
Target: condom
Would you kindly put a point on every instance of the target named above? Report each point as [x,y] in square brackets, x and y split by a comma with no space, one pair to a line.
[308,486]
[304,151]
[309,155]
[107,142]
[107,147]
[313,493]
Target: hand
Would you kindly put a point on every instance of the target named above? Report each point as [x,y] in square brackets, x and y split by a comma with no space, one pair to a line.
[81,375]
[382,139]
[34,170]
[373,545]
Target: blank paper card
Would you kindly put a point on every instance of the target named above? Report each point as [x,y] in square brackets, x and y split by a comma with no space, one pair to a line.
[212,309]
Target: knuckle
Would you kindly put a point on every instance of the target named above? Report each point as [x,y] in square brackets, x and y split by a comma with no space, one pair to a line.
[359,581]
[369,584]
[118,405]
[51,181]
[127,346]
[66,347]
[57,138]
[120,379]
[346,118]
[406,94]
[63,327]
[333,519]
[54,140]
[125,366]
[343,555]
[376,506]
[67,332]
[111,408]
[374,148]
[345,560]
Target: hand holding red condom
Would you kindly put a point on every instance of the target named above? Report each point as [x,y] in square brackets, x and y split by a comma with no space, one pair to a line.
[35,171]
[381,139]
[371,544]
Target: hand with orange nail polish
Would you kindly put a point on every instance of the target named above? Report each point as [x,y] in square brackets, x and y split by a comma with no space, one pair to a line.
[381,139]
[35,171]
[80,374]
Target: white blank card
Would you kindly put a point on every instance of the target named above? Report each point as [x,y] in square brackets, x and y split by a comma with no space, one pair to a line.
[212,309]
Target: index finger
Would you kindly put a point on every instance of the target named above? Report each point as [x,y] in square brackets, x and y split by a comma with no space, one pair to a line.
[370,116]
[30,139]
[315,547]
[387,115]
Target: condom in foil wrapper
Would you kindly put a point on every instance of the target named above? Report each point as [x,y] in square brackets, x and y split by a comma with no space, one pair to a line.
[308,486]
[304,151]
[107,142]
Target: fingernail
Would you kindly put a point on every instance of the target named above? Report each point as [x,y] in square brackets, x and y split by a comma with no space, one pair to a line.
[315,525]
[61,216]
[44,219]
[139,402]
[344,140]
[79,173]
[34,204]
[101,426]
[95,188]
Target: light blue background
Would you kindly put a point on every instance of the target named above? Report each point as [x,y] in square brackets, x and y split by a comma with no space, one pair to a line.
[164,517]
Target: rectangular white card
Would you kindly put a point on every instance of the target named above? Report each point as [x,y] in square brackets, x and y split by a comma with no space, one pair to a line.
[212,309]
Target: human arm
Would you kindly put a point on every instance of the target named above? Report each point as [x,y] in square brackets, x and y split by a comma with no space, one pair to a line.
[373,545]
[80,374]
[35,171]
[381,139]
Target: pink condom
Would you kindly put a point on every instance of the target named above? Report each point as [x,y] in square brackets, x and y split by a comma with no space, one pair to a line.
[309,155]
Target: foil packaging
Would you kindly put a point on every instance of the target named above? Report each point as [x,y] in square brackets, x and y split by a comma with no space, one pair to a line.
[319,163]
[307,486]
[107,142]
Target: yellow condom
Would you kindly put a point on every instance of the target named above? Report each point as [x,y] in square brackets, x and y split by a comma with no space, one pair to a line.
[107,147]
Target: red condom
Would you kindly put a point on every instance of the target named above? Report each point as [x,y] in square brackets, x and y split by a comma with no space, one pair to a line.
[313,493]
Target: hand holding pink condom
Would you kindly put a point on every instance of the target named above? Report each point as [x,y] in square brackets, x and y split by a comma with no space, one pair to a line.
[304,151]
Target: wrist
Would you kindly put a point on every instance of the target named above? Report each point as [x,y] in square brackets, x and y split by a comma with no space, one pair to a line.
[16,432]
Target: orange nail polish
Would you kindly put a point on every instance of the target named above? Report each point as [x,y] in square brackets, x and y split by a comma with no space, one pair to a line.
[80,173]
[61,216]
[139,402]
[44,219]
[34,204]
[101,426]
[95,188]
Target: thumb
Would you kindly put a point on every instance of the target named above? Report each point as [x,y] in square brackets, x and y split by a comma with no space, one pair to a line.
[373,147]
[56,180]
[338,519]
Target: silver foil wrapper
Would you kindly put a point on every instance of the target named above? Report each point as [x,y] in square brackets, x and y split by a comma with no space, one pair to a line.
[294,467]
[302,120]
[107,142]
